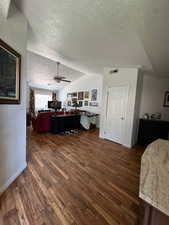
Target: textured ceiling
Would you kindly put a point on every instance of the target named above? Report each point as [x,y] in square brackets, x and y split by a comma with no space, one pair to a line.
[41,71]
[4,8]
[90,35]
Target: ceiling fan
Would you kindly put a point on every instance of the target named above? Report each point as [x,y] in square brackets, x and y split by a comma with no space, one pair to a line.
[59,78]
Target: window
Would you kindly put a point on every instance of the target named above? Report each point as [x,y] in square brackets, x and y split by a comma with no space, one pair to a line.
[41,101]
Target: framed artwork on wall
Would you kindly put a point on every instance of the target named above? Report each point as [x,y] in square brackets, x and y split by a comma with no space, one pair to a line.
[80,103]
[54,96]
[74,100]
[69,95]
[80,95]
[10,74]
[94,95]
[69,103]
[86,103]
[74,94]
[166,99]
[94,104]
[86,94]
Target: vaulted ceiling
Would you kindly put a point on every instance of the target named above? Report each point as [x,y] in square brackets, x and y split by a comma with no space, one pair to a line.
[41,71]
[90,35]
[4,8]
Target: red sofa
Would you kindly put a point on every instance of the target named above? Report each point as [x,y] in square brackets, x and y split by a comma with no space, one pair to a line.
[42,123]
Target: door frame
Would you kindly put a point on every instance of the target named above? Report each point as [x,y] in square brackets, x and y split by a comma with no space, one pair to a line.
[127,86]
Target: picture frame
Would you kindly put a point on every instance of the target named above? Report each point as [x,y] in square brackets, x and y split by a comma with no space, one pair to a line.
[69,103]
[74,100]
[10,74]
[86,103]
[94,95]
[94,104]
[80,103]
[69,95]
[80,95]
[86,94]
[166,99]
[74,95]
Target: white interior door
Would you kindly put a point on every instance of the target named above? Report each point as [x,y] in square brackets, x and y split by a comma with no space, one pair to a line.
[116,112]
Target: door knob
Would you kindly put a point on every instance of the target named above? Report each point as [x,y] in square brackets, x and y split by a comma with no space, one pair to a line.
[122,118]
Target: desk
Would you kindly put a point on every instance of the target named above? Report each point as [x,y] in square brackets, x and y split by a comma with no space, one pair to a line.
[63,123]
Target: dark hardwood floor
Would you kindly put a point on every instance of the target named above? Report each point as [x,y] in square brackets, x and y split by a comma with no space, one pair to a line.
[75,179]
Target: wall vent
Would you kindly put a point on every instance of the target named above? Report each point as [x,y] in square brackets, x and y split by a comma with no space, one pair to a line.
[114,71]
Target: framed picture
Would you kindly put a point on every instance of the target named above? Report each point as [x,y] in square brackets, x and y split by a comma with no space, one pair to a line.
[94,95]
[10,74]
[86,94]
[74,100]
[94,104]
[166,99]
[74,94]
[86,103]
[80,103]
[69,103]
[80,95]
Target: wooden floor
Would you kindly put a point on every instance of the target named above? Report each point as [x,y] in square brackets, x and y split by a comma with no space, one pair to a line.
[75,179]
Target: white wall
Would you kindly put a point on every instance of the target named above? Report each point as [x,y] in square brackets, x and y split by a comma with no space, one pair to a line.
[37,91]
[152,97]
[128,77]
[85,83]
[41,102]
[13,117]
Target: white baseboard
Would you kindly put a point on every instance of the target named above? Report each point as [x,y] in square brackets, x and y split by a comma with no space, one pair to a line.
[127,146]
[12,178]
[100,136]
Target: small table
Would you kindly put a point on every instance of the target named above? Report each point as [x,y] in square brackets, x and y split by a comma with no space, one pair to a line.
[64,123]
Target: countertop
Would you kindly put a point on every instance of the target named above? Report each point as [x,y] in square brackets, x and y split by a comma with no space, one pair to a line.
[154,180]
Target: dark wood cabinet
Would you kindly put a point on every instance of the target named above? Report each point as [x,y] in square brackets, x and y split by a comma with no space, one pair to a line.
[151,216]
[63,123]
[151,130]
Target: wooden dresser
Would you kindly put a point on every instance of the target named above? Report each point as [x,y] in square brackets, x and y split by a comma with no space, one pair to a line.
[151,130]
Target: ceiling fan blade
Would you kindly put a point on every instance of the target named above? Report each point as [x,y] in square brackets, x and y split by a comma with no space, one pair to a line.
[61,77]
[68,81]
